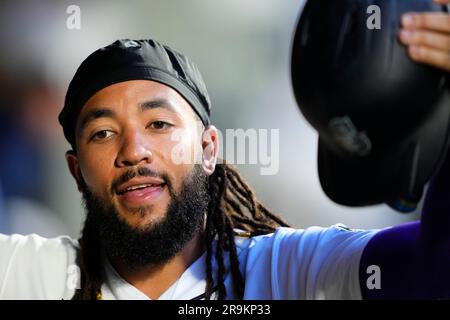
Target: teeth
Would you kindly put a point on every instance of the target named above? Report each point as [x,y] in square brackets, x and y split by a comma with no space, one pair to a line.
[139,186]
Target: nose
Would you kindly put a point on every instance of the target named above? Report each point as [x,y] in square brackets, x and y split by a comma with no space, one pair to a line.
[134,149]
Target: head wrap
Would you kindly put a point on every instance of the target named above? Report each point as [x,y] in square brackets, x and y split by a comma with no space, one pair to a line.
[126,60]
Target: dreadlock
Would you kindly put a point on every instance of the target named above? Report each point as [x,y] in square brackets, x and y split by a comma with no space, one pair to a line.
[233,205]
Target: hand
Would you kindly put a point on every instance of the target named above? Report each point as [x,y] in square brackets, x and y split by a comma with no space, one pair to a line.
[427,37]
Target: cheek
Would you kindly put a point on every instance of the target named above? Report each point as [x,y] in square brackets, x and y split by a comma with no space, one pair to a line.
[183,147]
[176,159]
[97,170]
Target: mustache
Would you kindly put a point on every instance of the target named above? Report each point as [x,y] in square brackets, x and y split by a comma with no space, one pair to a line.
[139,172]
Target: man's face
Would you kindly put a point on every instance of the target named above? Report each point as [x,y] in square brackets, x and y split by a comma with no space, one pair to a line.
[127,129]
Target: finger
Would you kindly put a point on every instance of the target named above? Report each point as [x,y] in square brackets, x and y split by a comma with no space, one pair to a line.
[442,1]
[425,38]
[435,21]
[431,56]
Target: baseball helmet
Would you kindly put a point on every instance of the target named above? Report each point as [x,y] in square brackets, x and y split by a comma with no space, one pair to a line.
[383,119]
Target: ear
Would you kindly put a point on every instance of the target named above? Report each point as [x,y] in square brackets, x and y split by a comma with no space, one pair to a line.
[210,148]
[74,168]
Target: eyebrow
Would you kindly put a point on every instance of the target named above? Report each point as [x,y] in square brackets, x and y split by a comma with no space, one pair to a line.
[97,113]
[158,103]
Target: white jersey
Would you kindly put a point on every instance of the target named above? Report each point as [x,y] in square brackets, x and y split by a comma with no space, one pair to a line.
[312,263]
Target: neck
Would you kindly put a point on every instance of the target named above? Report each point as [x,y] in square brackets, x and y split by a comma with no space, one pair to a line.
[153,281]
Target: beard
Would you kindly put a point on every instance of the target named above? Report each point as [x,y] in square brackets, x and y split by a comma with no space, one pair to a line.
[159,241]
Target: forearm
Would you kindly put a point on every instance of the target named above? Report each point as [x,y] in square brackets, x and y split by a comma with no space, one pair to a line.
[414,259]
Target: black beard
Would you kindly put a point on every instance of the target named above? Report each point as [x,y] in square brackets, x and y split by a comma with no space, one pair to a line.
[160,241]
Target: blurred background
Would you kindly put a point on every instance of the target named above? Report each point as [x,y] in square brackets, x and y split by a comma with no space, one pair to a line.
[243,51]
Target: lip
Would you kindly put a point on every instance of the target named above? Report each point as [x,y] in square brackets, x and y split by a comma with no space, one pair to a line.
[121,189]
[142,196]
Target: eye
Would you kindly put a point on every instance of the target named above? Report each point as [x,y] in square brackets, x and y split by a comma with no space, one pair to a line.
[101,135]
[159,125]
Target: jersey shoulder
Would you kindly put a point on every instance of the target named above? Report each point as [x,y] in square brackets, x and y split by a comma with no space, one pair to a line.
[309,263]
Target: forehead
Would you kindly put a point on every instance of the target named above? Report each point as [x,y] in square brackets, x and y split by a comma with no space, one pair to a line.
[129,94]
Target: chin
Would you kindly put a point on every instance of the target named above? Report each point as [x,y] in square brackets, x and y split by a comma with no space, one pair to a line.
[142,217]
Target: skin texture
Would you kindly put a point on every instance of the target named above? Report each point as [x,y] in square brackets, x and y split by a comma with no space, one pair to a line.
[130,138]
[427,37]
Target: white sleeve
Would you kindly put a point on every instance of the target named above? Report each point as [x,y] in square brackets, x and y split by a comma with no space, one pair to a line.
[312,263]
[318,263]
[32,267]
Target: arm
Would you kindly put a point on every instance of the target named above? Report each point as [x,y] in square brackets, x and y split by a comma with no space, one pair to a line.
[414,259]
